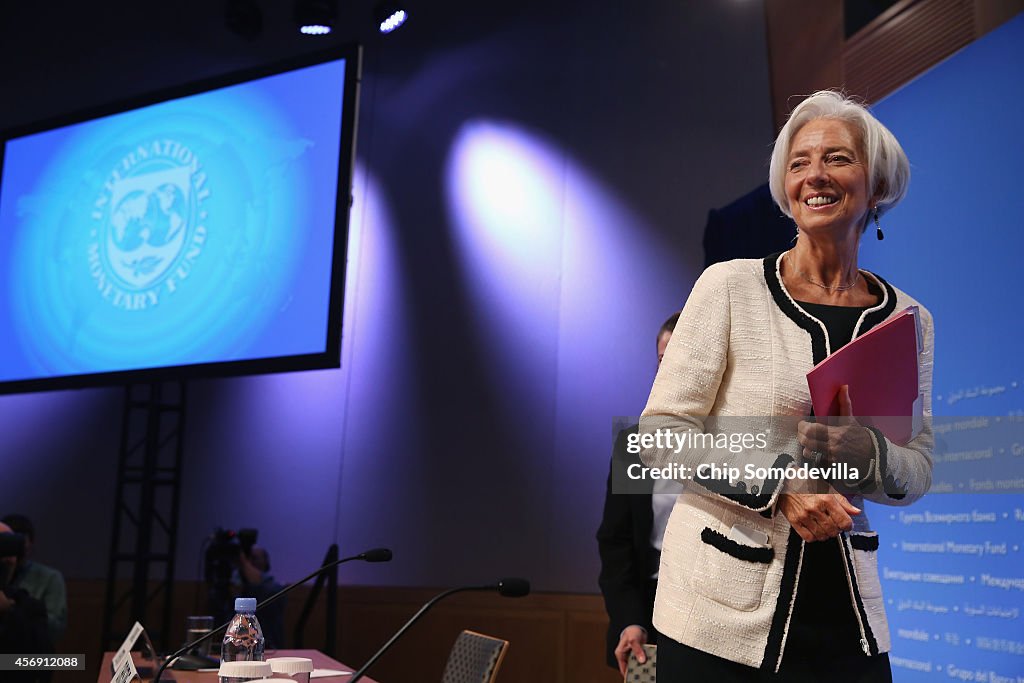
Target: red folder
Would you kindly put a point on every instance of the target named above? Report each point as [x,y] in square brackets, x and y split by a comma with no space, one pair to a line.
[881,369]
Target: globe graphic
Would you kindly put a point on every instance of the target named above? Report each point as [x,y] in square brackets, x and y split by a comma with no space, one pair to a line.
[153,217]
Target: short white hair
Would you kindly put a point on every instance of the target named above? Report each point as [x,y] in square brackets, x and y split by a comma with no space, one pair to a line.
[887,165]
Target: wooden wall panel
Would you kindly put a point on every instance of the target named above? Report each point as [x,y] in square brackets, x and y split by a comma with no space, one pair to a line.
[989,14]
[904,42]
[805,43]
[583,662]
[807,50]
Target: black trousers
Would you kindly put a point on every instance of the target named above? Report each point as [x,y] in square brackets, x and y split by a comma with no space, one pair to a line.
[678,663]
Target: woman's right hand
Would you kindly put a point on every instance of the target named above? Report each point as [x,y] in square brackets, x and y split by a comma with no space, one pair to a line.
[818,516]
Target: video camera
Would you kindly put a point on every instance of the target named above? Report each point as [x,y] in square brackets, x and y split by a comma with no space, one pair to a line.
[12,544]
[226,545]
[224,550]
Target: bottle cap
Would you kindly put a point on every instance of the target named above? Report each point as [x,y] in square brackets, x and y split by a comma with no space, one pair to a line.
[245,669]
[245,604]
[290,665]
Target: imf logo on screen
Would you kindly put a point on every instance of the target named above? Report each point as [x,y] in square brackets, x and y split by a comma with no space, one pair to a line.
[148,229]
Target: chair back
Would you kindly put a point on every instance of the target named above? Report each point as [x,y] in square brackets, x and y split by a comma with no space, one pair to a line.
[646,672]
[475,658]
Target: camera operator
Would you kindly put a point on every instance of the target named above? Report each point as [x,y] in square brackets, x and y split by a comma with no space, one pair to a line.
[257,582]
[23,625]
[237,567]
[43,583]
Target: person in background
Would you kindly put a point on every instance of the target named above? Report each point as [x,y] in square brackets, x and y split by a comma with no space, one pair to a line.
[257,582]
[629,542]
[23,624]
[752,226]
[41,582]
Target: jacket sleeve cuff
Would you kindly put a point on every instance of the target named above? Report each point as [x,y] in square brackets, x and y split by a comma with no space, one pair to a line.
[885,481]
[757,492]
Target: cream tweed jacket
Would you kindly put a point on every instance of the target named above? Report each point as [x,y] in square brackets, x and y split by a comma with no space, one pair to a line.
[739,359]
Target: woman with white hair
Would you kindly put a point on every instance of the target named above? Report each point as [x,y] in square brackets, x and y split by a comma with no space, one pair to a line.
[760,580]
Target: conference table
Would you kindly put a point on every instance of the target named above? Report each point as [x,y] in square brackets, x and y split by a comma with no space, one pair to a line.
[320,661]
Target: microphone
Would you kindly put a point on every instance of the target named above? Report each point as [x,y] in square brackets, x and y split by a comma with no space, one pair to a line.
[513,588]
[508,588]
[374,555]
[12,544]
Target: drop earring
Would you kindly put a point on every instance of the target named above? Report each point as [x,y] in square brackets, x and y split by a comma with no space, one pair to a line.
[878,227]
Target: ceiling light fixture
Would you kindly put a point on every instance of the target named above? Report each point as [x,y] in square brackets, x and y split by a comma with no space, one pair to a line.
[389,15]
[315,17]
[243,18]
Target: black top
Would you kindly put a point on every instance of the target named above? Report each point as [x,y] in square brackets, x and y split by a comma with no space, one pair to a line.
[838,320]
[824,622]
[797,638]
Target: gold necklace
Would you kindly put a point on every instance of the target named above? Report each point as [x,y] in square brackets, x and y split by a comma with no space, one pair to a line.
[827,288]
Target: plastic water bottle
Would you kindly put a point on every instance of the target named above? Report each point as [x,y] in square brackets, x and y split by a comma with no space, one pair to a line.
[243,640]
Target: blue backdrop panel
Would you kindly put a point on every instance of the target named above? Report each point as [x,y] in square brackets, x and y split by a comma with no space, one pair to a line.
[953,564]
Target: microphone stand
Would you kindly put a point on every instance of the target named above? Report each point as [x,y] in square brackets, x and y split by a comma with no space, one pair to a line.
[375,555]
[518,589]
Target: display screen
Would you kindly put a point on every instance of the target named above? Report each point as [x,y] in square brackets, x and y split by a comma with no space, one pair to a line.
[202,232]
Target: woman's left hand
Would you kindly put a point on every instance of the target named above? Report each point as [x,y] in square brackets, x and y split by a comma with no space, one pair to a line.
[845,441]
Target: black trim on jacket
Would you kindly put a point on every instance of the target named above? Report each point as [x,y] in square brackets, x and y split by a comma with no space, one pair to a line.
[730,547]
[875,317]
[755,499]
[858,603]
[819,348]
[787,588]
[866,543]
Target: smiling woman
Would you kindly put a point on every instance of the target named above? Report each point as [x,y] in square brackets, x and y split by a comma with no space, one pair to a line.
[873,146]
[832,171]
[790,576]
[826,180]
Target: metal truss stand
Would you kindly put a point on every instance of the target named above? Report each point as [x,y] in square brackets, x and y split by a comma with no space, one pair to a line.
[145,529]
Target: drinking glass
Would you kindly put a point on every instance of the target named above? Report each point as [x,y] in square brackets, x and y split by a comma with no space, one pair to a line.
[197,627]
